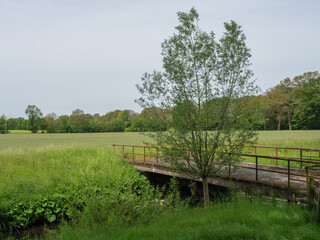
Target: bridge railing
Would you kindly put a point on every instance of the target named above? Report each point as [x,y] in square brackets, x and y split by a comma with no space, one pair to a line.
[282,160]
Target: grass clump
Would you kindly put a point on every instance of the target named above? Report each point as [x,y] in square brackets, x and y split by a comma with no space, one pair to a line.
[237,219]
[83,185]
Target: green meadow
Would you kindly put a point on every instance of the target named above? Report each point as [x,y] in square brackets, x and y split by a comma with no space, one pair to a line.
[85,186]
[76,183]
[300,138]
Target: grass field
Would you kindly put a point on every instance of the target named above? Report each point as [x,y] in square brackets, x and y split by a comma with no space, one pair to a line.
[300,139]
[22,141]
[306,139]
[49,177]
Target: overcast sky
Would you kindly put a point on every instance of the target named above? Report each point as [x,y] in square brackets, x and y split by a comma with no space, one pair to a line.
[65,54]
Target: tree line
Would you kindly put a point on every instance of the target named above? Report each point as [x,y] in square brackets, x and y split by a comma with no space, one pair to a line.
[81,122]
[292,104]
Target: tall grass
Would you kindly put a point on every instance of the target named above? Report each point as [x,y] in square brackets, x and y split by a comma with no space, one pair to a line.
[84,185]
[238,219]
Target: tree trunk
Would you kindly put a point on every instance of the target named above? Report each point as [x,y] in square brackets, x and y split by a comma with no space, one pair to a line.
[279,124]
[289,122]
[205,191]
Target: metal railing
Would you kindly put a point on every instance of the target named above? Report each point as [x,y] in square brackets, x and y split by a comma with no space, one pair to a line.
[290,161]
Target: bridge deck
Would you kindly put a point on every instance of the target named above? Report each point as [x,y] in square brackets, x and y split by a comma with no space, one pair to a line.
[272,176]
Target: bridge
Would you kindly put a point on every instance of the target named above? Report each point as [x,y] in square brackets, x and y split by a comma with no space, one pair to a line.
[284,170]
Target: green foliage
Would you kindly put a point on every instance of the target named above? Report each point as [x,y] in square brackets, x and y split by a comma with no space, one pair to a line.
[34,114]
[308,115]
[204,87]
[46,209]
[79,121]
[114,126]
[3,124]
[293,103]
[238,219]
[84,185]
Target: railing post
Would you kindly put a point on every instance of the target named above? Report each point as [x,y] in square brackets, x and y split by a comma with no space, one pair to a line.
[157,155]
[229,165]
[144,154]
[122,150]
[310,193]
[288,173]
[114,148]
[133,153]
[256,168]
[307,179]
[300,158]
[277,155]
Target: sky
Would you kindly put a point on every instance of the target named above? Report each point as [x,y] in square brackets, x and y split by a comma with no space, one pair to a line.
[61,55]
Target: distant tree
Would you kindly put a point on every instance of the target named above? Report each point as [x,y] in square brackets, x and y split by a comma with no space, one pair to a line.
[299,81]
[15,123]
[34,114]
[114,126]
[64,124]
[308,113]
[111,115]
[51,122]
[79,121]
[3,124]
[279,101]
[259,105]
[25,124]
[124,116]
[197,71]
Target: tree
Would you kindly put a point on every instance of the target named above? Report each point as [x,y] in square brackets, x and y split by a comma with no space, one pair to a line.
[64,124]
[3,124]
[124,117]
[202,88]
[114,126]
[279,102]
[79,120]
[34,114]
[308,116]
[51,122]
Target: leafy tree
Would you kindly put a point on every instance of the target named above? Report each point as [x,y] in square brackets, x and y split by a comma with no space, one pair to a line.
[200,89]
[111,115]
[3,124]
[51,122]
[279,101]
[34,114]
[308,116]
[25,124]
[114,126]
[124,116]
[64,124]
[79,121]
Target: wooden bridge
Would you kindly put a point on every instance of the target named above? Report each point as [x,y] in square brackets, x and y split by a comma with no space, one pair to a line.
[285,170]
